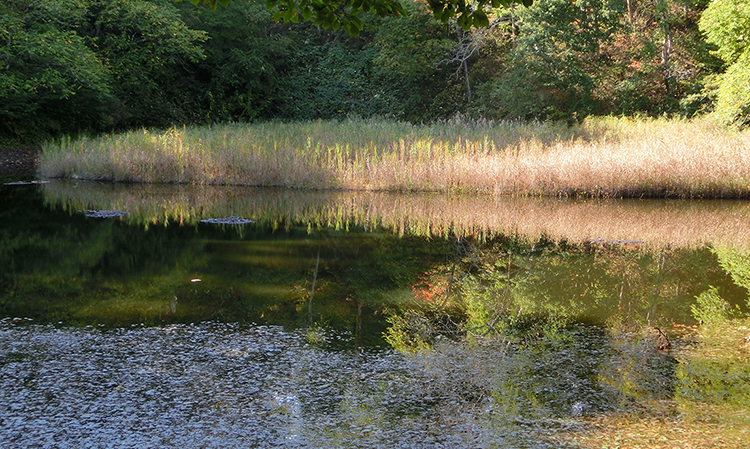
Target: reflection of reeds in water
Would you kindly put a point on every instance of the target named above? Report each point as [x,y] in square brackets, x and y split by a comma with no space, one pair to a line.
[600,158]
[676,223]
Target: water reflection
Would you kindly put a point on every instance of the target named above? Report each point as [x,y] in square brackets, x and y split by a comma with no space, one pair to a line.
[535,312]
[411,268]
[656,223]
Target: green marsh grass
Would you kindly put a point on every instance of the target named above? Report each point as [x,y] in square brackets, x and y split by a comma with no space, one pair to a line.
[602,157]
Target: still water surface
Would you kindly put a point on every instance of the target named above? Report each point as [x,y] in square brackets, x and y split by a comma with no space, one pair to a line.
[347,319]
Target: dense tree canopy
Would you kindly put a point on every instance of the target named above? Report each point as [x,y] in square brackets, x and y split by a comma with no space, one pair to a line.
[73,66]
[50,80]
[345,13]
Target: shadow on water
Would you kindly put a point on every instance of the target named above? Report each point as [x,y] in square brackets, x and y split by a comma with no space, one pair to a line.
[517,319]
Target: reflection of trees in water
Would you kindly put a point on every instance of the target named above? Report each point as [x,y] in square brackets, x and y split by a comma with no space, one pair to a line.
[658,223]
[502,316]
[525,302]
[570,371]
[64,266]
[497,285]
[366,273]
[59,265]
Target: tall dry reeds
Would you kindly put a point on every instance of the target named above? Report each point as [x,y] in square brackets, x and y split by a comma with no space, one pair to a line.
[603,157]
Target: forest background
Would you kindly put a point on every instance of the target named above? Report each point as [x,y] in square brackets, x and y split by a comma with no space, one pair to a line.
[69,67]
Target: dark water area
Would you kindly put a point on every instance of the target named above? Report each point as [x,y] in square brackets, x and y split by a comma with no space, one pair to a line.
[346,320]
[72,269]
[62,265]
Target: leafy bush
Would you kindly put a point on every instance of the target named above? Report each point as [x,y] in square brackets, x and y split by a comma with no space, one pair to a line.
[52,82]
[727,25]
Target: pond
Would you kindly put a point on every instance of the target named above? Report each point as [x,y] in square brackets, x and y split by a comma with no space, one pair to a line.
[212,316]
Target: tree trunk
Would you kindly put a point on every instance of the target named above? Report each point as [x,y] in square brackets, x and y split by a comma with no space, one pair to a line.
[667,47]
[630,11]
[468,83]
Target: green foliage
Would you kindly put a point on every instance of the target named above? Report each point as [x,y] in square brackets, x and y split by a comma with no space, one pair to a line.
[733,95]
[145,44]
[408,47]
[52,82]
[72,66]
[736,263]
[567,59]
[246,55]
[338,84]
[87,65]
[553,63]
[717,370]
[410,331]
[727,25]
[712,308]
[407,52]
[345,14]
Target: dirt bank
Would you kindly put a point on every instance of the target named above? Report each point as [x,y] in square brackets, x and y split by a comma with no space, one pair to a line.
[18,161]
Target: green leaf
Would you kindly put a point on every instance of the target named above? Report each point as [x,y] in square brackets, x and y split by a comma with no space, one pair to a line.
[447,13]
[464,20]
[481,19]
[356,23]
[438,12]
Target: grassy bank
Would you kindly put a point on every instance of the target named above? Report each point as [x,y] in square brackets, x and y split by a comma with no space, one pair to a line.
[603,157]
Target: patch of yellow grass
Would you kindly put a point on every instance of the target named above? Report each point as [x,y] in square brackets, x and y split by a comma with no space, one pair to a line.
[604,157]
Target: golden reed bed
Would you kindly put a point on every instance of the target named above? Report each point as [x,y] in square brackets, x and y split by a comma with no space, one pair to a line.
[601,158]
